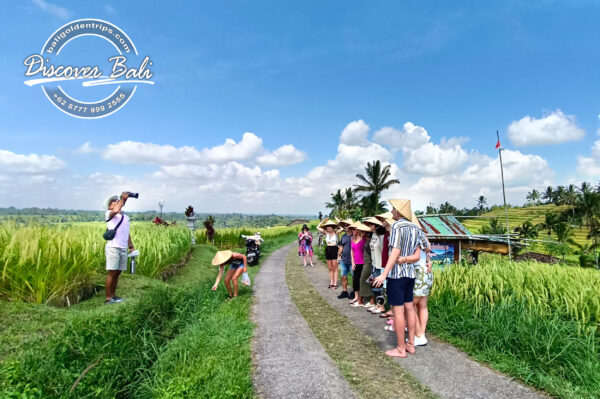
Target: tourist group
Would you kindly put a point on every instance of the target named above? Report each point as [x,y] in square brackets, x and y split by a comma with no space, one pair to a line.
[387,256]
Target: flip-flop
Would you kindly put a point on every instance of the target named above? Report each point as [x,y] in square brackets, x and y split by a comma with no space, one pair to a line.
[395,353]
[390,322]
[410,348]
[389,328]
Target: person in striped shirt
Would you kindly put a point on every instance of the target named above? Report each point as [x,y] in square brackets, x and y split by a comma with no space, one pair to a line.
[405,249]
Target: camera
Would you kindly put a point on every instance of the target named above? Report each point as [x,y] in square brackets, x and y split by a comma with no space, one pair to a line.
[133,195]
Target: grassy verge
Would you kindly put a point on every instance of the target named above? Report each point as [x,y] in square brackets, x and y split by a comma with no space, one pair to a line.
[174,339]
[356,354]
[532,325]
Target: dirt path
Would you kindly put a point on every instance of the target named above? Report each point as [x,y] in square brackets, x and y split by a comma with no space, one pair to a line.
[289,361]
[449,372]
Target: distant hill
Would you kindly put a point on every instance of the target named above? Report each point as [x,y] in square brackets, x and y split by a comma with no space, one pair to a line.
[50,216]
[518,215]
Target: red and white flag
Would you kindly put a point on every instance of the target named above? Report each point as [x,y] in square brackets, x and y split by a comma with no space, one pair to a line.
[498,144]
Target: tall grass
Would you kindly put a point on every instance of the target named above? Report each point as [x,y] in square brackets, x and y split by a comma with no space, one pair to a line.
[231,237]
[531,320]
[44,264]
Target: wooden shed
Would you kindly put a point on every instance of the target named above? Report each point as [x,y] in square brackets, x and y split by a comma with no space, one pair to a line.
[450,236]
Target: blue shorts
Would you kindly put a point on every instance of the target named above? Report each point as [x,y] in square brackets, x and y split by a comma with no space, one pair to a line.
[400,290]
[345,269]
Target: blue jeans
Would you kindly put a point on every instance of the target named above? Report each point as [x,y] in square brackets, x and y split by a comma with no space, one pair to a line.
[345,269]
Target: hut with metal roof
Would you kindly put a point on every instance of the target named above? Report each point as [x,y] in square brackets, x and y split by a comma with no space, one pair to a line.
[449,238]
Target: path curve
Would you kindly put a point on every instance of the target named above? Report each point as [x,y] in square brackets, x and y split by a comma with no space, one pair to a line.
[289,361]
[446,370]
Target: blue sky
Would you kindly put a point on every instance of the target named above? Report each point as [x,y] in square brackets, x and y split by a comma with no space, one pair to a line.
[299,74]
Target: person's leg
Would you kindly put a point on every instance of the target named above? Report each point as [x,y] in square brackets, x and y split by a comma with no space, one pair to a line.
[356,283]
[409,309]
[236,275]
[417,302]
[112,279]
[228,278]
[423,316]
[335,272]
[399,329]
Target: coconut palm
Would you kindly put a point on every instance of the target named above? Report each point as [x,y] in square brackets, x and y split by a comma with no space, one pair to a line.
[337,203]
[533,196]
[494,228]
[527,230]
[481,202]
[550,220]
[548,195]
[377,180]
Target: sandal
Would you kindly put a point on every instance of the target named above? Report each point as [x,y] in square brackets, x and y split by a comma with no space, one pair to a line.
[410,348]
[396,352]
[329,286]
[335,286]
[389,328]
[356,305]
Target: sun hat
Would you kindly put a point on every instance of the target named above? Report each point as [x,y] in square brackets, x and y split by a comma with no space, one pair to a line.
[347,222]
[363,227]
[390,221]
[403,207]
[382,216]
[372,220]
[416,221]
[222,257]
[330,223]
[109,200]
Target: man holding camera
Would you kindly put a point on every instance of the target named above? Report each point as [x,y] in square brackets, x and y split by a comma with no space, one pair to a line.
[116,249]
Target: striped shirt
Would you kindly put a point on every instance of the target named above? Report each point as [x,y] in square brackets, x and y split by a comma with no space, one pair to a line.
[407,237]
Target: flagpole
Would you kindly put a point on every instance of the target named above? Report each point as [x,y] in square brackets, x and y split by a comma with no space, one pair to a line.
[504,196]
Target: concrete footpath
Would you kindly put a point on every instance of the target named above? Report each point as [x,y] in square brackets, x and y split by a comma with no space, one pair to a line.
[289,361]
[450,373]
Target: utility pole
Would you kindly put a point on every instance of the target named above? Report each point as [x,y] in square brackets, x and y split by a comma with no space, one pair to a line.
[500,149]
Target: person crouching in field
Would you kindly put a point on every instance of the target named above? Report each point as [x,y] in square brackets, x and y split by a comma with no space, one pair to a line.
[116,249]
[237,265]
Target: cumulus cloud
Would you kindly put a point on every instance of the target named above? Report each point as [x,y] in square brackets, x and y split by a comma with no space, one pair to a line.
[249,148]
[355,133]
[29,164]
[283,156]
[554,128]
[590,166]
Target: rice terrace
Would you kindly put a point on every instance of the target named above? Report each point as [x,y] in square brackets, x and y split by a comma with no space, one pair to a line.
[300,200]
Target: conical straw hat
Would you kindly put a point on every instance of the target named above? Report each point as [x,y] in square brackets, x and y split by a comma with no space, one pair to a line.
[383,216]
[330,223]
[355,225]
[364,227]
[403,207]
[390,221]
[416,221]
[372,220]
[222,257]
[347,222]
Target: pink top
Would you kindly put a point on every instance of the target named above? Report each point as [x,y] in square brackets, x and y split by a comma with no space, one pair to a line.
[359,252]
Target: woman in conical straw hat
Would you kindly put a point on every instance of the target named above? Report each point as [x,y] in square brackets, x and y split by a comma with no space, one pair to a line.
[399,274]
[237,265]
[331,229]
[345,256]
[358,260]
[423,283]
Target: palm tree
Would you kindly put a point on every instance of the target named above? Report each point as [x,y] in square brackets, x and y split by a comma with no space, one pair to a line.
[494,228]
[527,230]
[376,181]
[350,199]
[447,207]
[559,195]
[337,203]
[481,202]
[548,195]
[571,197]
[533,196]
[550,221]
[586,187]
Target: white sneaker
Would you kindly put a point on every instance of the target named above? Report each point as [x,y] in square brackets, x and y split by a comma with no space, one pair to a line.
[420,341]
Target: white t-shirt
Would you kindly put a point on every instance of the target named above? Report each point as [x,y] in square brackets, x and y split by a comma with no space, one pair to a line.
[121,239]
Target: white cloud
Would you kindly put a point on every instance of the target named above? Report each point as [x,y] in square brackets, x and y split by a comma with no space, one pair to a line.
[86,148]
[283,156]
[553,128]
[590,166]
[29,164]
[110,9]
[354,133]
[249,149]
[410,137]
[52,9]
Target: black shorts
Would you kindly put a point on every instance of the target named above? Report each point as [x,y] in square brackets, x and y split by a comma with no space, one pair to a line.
[400,290]
[331,253]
